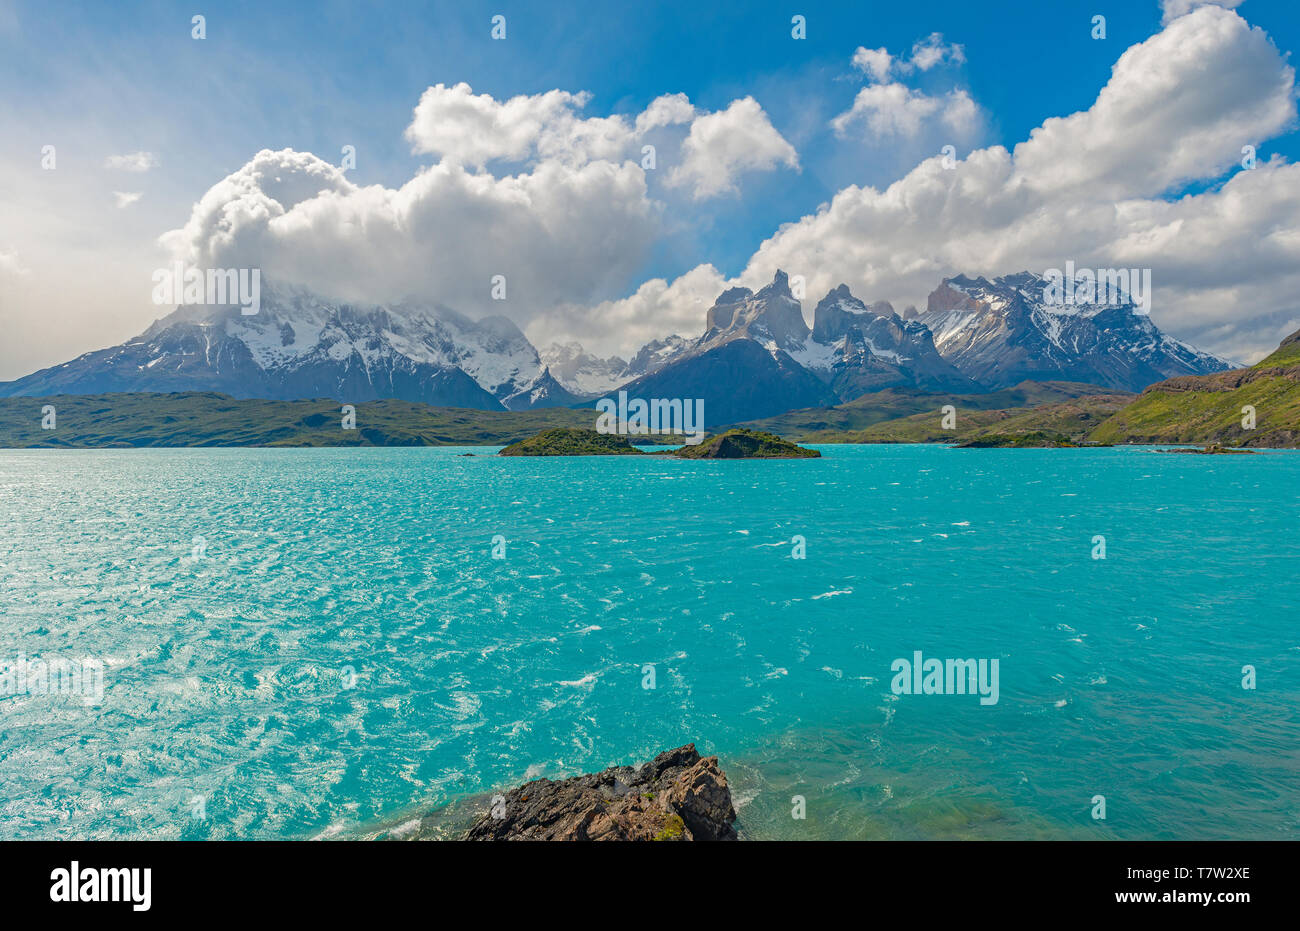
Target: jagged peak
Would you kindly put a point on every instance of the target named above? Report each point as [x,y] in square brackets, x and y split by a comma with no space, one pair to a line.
[780,285]
[733,296]
[840,294]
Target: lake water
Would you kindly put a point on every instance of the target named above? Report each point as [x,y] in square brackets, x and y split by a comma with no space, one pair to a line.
[308,643]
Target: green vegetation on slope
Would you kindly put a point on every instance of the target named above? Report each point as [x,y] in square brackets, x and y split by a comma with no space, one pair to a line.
[739,443]
[1074,419]
[210,419]
[847,423]
[1208,409]
[734,444]
[565,441]
[1035,440]
[1287,353]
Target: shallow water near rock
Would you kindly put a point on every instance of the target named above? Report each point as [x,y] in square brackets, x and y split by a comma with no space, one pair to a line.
[345,655]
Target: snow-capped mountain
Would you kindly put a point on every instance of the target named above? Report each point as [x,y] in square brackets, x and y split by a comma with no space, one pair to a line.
[860,349]
[758,357]
[1004,331]
[581,372]
[757,351]
[541,391]
[772,317]
[302,345]
[851,348]
[657,353]
[586,375]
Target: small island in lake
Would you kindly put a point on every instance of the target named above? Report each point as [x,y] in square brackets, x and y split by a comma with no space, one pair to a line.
[1032,440]
[734,444]
[740,443]
[1213,449]
[569,441]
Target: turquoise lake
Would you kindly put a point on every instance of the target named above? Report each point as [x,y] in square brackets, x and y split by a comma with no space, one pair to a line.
[345,654]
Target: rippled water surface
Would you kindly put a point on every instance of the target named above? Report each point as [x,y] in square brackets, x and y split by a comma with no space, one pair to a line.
[346,654]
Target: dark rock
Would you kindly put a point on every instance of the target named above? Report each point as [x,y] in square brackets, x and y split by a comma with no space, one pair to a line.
[678,795]
[1213,449]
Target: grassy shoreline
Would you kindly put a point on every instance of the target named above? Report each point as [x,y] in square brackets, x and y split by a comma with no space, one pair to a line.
[205,419]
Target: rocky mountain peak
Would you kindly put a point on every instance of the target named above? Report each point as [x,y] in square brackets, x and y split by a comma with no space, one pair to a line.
[1005,330]
[770,316]
[779,286]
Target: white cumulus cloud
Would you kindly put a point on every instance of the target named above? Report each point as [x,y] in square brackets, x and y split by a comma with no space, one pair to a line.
[896,110]
[874,62]
[568,229]
[658,307]
[724,144]
[932,50]
[666,110]
[1092,187]
[559,232]
[471,129]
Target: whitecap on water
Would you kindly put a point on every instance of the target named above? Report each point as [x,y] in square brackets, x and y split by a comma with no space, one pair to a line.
[585,682]
[832,594]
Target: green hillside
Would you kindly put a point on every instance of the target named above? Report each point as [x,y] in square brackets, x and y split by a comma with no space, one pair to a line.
[1208,409]
[845,422]
[1074,419]
[209,419]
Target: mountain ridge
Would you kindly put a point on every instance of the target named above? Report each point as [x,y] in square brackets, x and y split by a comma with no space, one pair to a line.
[756,358]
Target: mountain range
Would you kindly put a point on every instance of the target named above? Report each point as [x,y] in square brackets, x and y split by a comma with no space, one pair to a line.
[756,358]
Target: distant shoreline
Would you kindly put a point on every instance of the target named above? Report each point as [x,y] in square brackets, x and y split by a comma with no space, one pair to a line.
[211,420]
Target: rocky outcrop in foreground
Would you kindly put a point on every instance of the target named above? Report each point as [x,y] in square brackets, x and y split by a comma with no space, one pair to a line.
[678,795]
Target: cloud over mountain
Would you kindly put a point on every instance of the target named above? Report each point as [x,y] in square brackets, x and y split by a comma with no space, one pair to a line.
[1096,187]
[555,199]
[568,227]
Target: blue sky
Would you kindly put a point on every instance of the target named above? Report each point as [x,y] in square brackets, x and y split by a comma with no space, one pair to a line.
[104,79]
[315,76]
